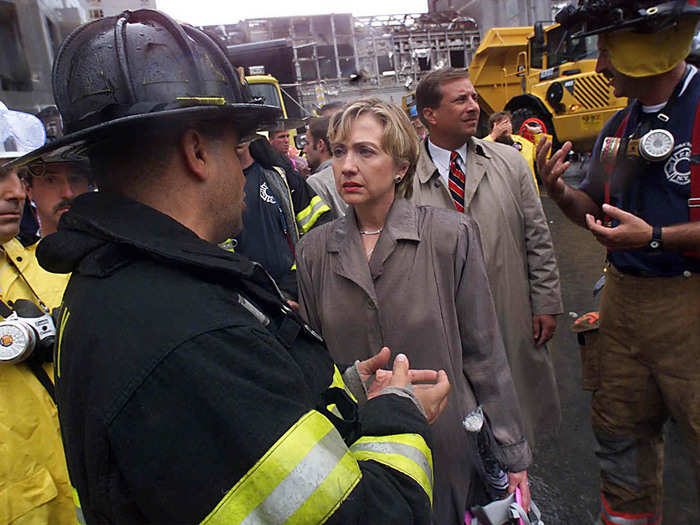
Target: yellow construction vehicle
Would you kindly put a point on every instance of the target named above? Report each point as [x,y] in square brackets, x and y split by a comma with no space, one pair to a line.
[268,89]
[538,72]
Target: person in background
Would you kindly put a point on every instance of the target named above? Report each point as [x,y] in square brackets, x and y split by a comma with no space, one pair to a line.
[279,208]
[390,273]
[33,477]
[188,391]
[52,187]
[501,126]
[279,138]
[645,366]
[492,183]
[329,109]
[318,152]
[420,128]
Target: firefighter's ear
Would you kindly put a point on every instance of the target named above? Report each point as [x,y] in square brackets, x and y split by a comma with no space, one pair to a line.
[197,153]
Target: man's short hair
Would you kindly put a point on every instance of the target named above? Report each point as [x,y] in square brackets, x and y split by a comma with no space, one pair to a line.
[428,92]
[498,116]
[318,130]
[128,157]
[398,140]
[331,107]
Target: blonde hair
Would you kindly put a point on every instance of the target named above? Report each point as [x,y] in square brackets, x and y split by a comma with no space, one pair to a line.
[399,139]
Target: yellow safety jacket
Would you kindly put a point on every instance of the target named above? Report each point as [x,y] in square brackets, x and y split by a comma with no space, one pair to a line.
[527,149]
[34,486]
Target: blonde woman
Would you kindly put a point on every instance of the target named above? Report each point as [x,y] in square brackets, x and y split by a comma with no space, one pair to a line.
[413,279]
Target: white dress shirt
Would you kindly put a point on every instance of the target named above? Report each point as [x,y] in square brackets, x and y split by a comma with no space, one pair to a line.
[441,159]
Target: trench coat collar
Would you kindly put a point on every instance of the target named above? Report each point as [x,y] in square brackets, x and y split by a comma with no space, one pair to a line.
[477,163]
[401,224]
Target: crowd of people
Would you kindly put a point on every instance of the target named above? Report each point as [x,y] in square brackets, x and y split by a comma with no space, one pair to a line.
[246,333]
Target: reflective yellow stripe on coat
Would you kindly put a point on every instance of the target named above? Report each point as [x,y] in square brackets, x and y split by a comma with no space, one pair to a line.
[303,478]
[407,453]
[307,217]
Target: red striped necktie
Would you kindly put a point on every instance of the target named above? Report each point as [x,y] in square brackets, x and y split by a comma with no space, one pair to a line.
[456,182]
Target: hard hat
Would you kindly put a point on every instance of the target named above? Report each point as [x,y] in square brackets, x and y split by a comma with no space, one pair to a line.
[114,74]
[20,133]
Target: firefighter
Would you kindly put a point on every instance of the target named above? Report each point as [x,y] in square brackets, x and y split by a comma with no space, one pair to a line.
[188,391]
[641,200]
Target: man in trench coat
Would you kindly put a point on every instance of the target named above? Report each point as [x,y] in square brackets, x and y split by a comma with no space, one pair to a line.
[492,183]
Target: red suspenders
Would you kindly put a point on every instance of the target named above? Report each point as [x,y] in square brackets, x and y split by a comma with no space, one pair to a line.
[694,200]
[610,167]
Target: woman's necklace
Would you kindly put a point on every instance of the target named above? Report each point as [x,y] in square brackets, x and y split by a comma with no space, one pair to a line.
[372,232]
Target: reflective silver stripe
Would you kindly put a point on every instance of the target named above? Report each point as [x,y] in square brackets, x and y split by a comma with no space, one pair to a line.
[80,516]
[300,483]
[651,519]
[408,451]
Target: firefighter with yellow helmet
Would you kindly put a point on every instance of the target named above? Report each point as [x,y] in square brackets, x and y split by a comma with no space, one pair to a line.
[641,200]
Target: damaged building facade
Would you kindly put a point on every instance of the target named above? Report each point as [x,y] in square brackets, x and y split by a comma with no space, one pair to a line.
[341,57]
[30,33]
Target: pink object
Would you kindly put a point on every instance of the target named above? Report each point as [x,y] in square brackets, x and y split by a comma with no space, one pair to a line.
[518,499]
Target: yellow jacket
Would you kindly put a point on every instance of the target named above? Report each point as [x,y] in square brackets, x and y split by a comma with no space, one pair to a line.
[34,485]
[527,149]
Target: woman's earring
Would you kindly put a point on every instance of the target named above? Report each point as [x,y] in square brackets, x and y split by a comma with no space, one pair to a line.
[397,179]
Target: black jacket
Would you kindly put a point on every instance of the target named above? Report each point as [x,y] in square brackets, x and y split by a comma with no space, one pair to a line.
[173,395]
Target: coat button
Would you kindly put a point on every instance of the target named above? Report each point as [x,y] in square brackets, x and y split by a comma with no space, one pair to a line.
[687,274]
[436,183]
[370,304]
[19,259]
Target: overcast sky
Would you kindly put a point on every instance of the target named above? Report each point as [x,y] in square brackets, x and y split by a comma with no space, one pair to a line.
[211,12]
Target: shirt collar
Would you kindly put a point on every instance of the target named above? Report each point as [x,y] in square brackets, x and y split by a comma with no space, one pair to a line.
[325,164]
[441,158]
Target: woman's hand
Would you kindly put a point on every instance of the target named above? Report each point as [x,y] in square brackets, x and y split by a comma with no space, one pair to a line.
[382,378]
[519,480]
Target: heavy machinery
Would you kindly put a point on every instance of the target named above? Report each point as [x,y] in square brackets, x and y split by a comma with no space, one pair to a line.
[540,72]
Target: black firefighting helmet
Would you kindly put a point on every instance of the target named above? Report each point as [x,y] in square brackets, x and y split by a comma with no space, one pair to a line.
[116,74]
[642,16]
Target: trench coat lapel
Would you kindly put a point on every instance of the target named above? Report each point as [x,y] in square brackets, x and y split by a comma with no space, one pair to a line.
[476,170]
[350,254]
[401,224]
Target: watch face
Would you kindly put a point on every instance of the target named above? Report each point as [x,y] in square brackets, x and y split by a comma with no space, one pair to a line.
[656,145]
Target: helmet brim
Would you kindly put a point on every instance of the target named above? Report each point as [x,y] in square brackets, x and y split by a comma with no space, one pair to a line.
[245,117]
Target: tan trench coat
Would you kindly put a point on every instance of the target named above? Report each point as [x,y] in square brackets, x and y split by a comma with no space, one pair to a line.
[520,262]
[423,293]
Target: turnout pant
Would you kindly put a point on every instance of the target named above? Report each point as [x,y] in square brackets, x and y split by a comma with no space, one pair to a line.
[649,369]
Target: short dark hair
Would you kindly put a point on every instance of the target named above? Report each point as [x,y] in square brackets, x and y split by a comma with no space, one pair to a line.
[139,155]
[498,116]
[428,92]
[318,130]
[334,106]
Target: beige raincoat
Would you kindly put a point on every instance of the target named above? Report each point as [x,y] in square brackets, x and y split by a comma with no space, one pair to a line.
[502,198]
